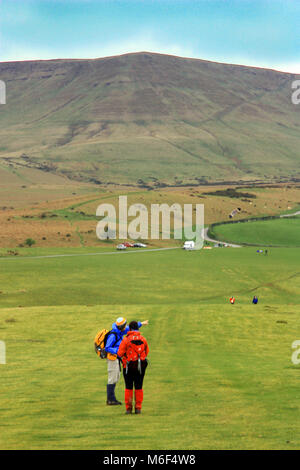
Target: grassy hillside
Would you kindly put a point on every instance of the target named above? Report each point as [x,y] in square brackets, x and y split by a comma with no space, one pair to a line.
[149,117]
[220,377]
[71,221]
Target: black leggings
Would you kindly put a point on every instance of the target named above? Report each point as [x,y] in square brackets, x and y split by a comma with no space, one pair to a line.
[134,377]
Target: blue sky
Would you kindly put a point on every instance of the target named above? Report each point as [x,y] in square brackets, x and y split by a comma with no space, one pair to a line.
[264,33]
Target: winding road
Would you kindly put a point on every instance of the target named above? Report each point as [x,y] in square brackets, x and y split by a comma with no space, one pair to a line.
[208,239]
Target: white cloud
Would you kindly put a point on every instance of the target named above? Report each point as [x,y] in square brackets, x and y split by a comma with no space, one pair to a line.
[143,42]
[291,68]
[280,67]
[14,53]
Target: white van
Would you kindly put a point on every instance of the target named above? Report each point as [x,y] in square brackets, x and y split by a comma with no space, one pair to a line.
[189,245]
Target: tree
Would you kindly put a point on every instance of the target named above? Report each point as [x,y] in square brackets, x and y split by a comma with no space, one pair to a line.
[29,242]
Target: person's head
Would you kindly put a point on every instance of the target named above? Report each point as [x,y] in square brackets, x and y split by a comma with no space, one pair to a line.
[121,323]
[133,325]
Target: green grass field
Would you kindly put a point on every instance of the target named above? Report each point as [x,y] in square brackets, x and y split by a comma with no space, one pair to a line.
[276,232]
[220,376]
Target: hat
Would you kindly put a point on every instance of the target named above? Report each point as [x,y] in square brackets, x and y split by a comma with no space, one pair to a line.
[121,322]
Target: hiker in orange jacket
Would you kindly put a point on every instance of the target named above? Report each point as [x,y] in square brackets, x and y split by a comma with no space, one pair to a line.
[133,351]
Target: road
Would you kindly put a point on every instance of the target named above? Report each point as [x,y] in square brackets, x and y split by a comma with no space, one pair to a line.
[98,253]
[290,215]
[208,239]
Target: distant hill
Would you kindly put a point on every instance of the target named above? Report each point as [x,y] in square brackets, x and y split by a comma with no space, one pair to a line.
[148,118]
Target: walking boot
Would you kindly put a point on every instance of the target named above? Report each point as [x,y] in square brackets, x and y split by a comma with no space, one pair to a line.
[139,395]
[111,399]
[117,402]
[128,400]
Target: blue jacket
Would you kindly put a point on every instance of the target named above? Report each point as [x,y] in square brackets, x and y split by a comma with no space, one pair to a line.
[114,340]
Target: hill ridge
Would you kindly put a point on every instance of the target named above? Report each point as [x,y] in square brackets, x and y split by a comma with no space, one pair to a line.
[150,117]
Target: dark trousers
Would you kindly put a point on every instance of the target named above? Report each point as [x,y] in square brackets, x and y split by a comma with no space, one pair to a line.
[133,377]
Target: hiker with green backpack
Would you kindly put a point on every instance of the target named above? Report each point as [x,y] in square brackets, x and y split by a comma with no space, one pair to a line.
[107,345]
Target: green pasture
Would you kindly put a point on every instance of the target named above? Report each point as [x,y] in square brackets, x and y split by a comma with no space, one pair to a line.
[220,375]
[283,232]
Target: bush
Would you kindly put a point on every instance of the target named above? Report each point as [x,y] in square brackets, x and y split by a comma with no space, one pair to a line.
[29,242]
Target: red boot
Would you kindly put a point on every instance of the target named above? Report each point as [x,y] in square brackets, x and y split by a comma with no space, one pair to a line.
[128,400]
[139,395]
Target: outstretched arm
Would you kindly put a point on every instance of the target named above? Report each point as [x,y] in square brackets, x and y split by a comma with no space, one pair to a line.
[140,323]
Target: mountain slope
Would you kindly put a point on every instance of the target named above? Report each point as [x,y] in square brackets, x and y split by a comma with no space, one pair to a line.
[149,117]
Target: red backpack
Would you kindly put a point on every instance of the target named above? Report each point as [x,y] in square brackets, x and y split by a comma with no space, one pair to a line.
[133,350]
[136,348]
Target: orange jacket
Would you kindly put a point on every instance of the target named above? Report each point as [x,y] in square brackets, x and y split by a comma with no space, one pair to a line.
[125,345]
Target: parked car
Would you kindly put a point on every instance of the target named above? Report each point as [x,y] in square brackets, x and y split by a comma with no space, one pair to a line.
[128,244]
[139,245]
[121,247]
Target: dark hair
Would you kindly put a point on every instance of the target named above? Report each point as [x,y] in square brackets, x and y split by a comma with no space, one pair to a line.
[133,325]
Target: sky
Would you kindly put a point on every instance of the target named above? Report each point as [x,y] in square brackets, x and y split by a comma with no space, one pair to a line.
[263,33]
